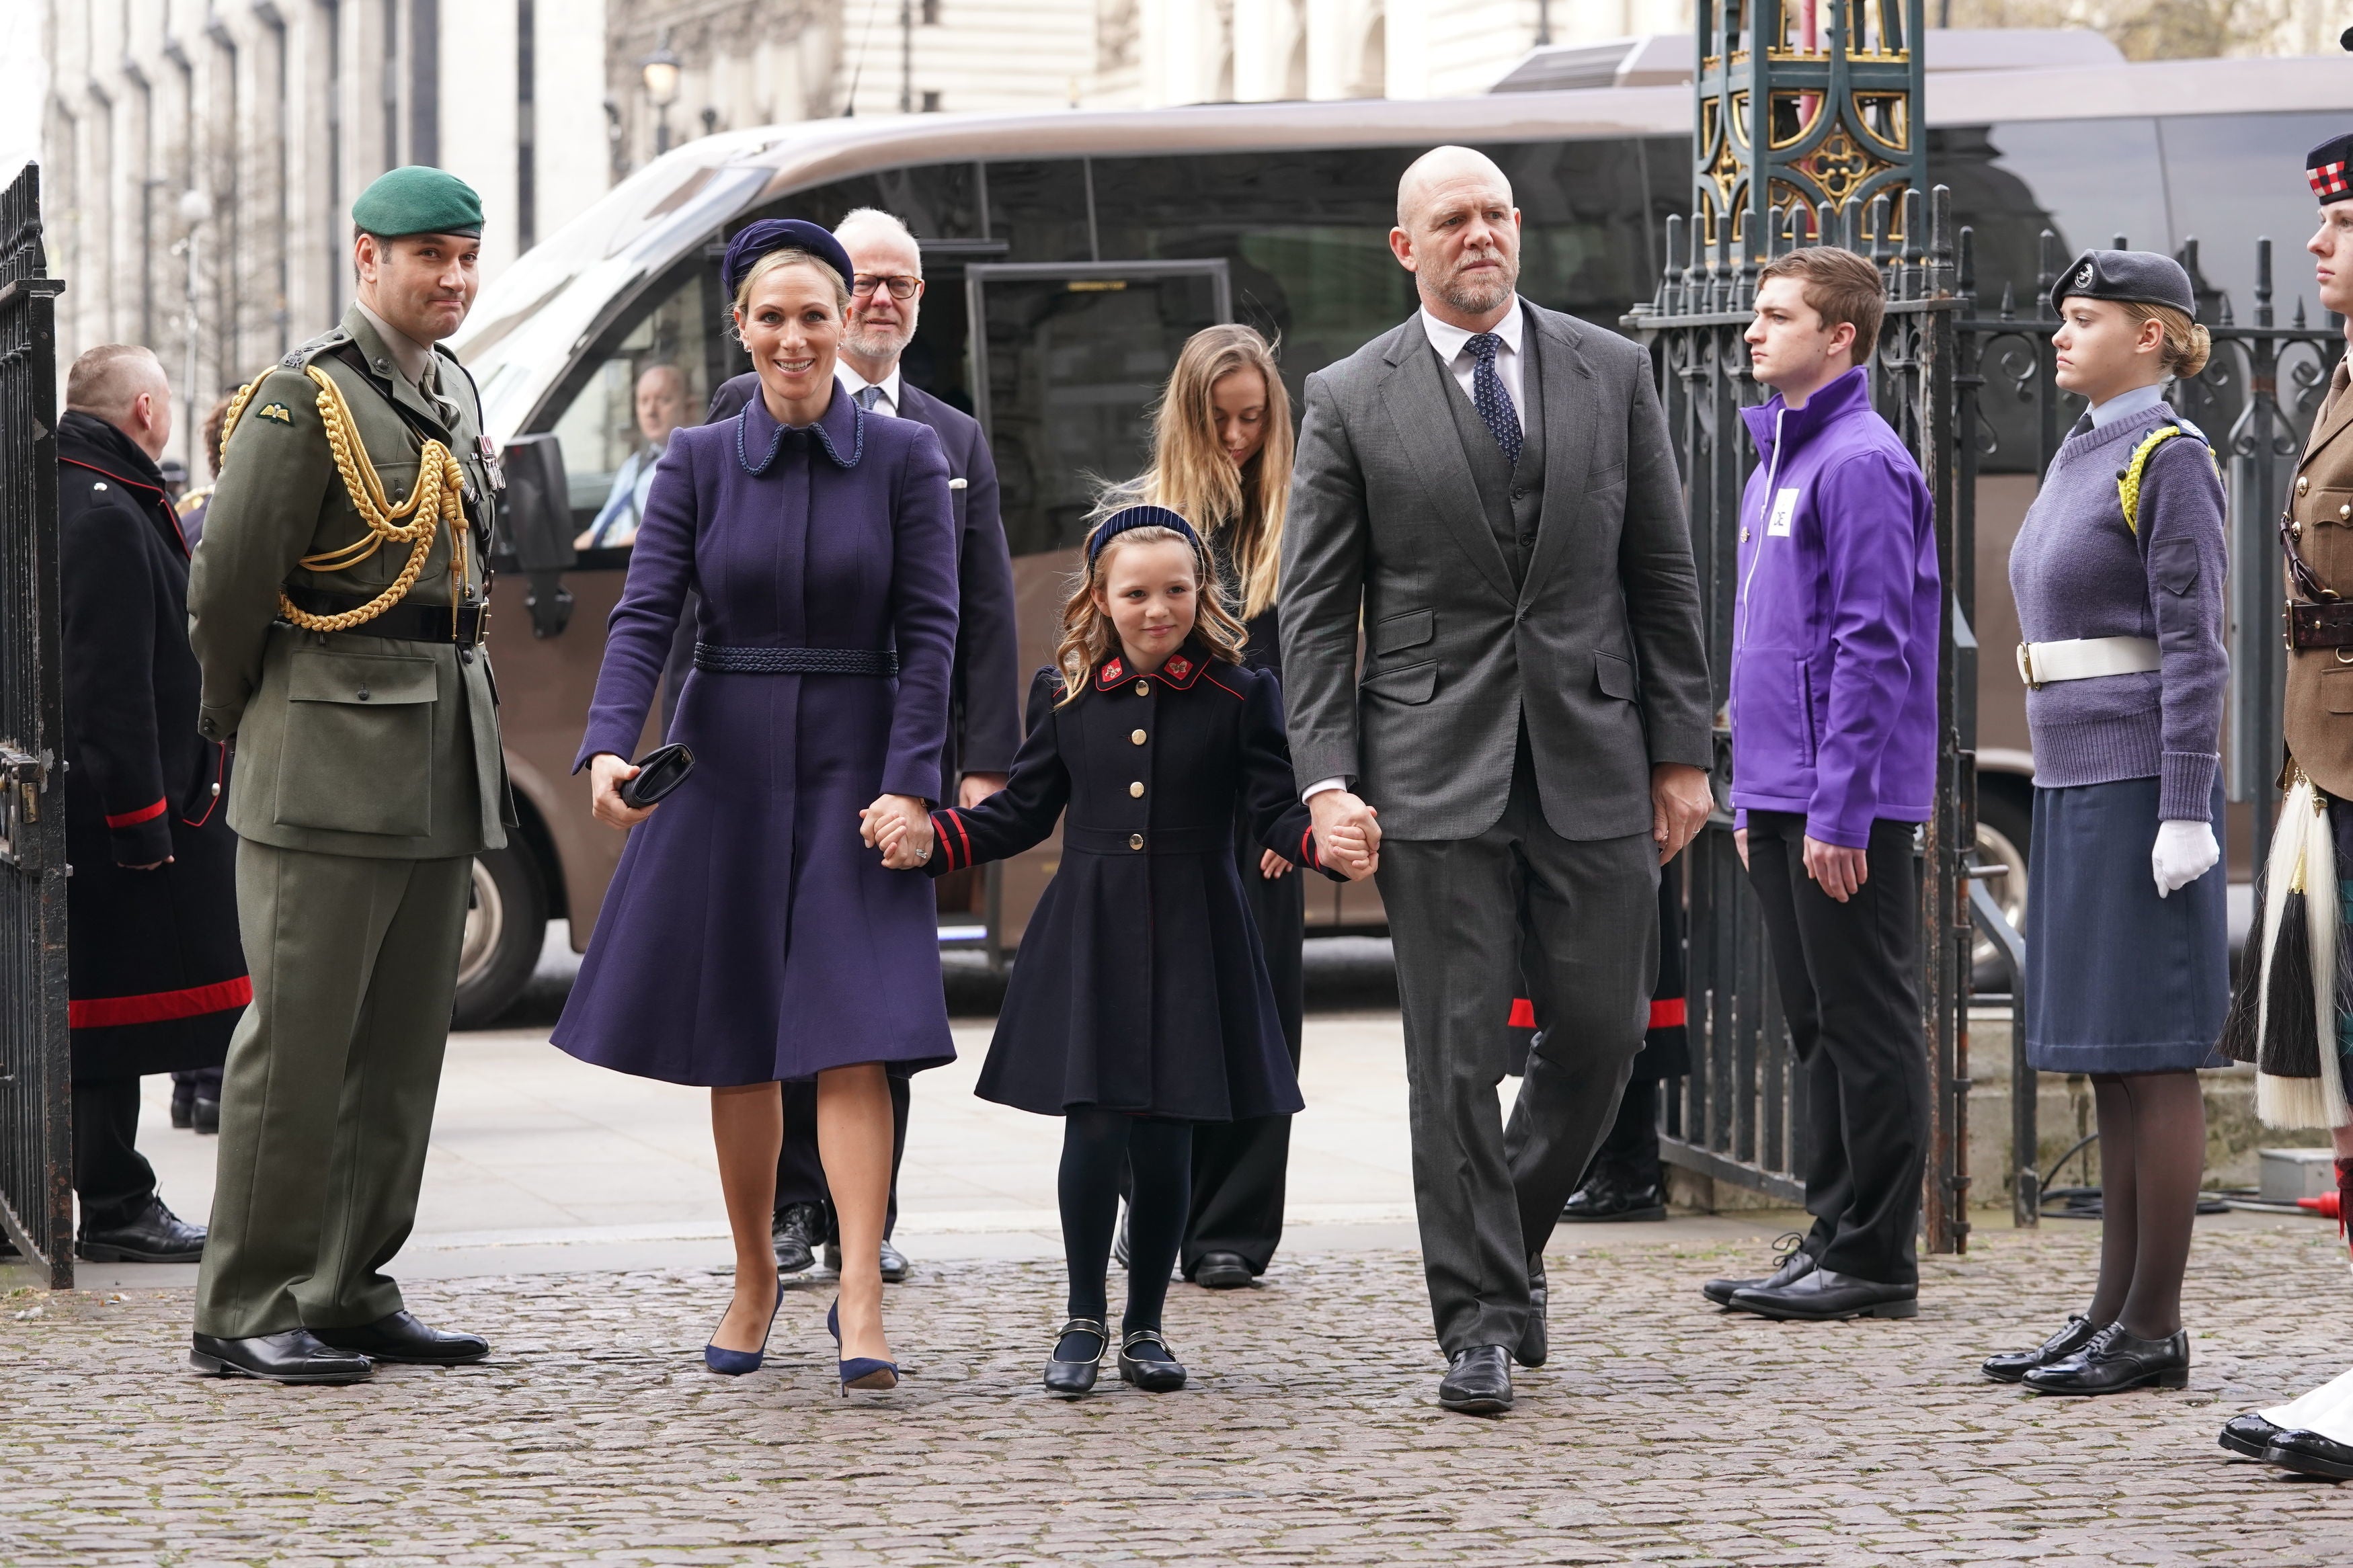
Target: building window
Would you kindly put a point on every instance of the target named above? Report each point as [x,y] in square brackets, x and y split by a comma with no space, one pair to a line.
[931,101]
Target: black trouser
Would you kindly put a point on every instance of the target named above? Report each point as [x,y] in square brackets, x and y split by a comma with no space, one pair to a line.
[1239,1167]
[110,1176]
[1846,972]
[1631,1149]
[800,1174]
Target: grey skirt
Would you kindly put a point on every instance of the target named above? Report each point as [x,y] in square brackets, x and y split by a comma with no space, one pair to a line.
[2118,979]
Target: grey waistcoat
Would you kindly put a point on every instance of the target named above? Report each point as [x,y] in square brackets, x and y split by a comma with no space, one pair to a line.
[1511,498]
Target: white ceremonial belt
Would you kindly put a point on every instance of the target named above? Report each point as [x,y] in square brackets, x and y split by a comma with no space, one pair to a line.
[2084,658]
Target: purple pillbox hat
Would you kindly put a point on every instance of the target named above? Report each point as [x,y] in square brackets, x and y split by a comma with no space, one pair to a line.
[754,240]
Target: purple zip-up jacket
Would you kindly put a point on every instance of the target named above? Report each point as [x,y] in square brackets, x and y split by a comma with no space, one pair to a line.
[1835,630]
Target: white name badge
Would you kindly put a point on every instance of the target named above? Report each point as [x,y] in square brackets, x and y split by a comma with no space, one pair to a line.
[1785,509]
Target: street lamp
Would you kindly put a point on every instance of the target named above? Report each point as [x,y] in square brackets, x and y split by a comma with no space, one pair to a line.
[661,70]
[195,210]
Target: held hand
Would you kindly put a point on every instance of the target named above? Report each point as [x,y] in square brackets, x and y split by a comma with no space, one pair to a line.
[977,787]
[1271,865]
[2184,851]
[1349,852]
[1740,842]
[1839,872]
[606,774]
[1679,803]
[1334,810]
[899,826]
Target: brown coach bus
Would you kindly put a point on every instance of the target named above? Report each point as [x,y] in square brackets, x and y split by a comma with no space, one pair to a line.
[1068,255]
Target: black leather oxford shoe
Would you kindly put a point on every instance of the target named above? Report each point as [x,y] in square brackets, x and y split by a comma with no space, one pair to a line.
[1609,1197]
[796,1233]
[1794,1264]
[2115,1360]
[1478,1382]
[294,1356]
[1822,1295]
[2249,1435]
[2011,1365]
[401,1338]
[2310,1454]
[156,1235]
[1222,1271]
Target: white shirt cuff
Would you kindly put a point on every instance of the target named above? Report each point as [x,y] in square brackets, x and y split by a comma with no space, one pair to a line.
[1320,785]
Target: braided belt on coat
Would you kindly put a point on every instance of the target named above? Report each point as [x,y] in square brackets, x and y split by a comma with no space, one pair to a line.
[795,660]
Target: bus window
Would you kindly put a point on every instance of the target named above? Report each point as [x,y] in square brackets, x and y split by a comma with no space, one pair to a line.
[2233,179]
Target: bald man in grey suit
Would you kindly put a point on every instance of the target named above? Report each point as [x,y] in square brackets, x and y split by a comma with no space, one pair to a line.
[1490,492]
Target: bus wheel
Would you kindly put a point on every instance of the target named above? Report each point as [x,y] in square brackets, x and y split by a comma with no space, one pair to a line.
[506,925]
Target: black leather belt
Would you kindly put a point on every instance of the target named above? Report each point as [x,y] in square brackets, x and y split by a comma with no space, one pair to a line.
[2320,626]
[462,624]
[795,660]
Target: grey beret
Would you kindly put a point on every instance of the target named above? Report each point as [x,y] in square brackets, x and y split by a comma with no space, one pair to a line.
[2141,277]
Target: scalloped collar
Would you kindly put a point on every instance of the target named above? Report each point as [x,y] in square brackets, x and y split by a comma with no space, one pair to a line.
[842,424]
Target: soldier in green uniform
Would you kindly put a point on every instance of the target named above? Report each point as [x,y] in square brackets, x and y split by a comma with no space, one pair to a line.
[336,607]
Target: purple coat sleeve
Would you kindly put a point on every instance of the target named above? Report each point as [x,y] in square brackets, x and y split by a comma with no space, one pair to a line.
[638,634]
[2181,529]
[922,617]
[1875,514]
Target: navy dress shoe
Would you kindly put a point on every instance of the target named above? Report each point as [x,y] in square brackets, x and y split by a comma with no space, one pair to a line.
[797,1230]
[2310,1454]
[2249,1435]
[2011,1365]
[1823,1295]
[1222,1271]
[1794,1264]
[2116,1360]
[1478,1382]
[401,1338]
[156,1235]
[295,1356]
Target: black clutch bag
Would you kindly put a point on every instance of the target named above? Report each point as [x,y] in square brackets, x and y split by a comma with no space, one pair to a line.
[659,771]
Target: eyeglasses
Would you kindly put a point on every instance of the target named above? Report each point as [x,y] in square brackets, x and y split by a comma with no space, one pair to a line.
[901,287]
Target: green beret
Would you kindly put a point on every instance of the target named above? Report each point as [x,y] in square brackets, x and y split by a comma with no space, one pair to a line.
[419,200]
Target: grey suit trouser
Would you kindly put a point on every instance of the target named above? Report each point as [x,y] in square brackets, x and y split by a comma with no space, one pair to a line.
[1487,1195]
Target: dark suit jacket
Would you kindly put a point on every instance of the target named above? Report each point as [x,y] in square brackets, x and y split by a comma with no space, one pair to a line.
[984,724]
[1597,648]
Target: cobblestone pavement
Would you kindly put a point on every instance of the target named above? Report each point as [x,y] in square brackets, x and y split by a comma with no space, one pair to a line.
[1662,1432]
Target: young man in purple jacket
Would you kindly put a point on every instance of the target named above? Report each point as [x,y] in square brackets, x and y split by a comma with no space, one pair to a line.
[1833,761]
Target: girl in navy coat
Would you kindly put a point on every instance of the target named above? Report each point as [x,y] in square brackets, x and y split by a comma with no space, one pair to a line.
[1141,1005]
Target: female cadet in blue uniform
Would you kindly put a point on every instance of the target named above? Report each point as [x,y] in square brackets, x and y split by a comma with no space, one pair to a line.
[748,936]
[1143,1006]
[2118,574]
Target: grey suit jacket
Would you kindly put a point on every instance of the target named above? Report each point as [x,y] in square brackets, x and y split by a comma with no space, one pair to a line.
[1600,647]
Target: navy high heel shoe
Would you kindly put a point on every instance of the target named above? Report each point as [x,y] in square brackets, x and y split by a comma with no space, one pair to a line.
[866,1373]
[735,1363]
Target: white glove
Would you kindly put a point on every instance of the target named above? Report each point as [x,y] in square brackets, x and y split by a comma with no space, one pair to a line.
[2184,852]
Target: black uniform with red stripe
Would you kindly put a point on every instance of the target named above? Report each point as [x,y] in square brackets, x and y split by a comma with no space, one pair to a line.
[157,971]
[1141,986]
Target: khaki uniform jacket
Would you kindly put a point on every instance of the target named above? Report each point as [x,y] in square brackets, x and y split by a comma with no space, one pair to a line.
[346,744]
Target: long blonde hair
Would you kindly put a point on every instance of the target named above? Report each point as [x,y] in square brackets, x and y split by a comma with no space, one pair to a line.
[1240,511]
[1088,637]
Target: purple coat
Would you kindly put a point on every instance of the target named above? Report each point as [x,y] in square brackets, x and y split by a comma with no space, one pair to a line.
[1835,631]
[748,934]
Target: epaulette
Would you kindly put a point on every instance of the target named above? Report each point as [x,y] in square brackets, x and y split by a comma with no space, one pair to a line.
[333,337]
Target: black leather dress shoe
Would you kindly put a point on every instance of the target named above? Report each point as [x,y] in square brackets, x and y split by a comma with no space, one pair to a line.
[401,1338]
[895,1267]
[294,1356]
[1072,1370]
[1158,1370]
[1222,1271]
[2116,1360]
[1795,1264]
[2310,1454]
[206,1115]
[2011,1365]
[2249,1435]
[1610,1197]
[796,1233]
[1823,1295]
[183,1105]
[1478,1382]
[1534,1344]
[156,1235]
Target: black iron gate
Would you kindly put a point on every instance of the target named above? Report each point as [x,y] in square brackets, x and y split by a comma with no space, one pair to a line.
[36,1192]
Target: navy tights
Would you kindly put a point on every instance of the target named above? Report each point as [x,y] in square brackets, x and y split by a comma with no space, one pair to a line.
[1095,1143]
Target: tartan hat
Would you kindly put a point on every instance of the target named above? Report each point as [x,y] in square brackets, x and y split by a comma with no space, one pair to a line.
[754,240]
[2140,277]
[416,199]
[2329,167]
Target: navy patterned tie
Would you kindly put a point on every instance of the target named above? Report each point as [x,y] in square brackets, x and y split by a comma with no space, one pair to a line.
[1493,403]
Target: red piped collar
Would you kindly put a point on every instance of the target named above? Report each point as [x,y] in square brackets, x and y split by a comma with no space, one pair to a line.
[1178,672]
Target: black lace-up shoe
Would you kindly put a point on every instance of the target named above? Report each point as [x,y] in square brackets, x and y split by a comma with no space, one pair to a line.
[2116,1360]
[154,1235]
[2011,1365]
[797,1230]
[1792,1262]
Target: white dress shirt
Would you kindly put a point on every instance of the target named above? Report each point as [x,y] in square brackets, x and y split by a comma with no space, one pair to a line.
[887,403]
[1450,344]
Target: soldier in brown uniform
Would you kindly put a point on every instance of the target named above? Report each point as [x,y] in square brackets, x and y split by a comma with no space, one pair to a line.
[2315,1433]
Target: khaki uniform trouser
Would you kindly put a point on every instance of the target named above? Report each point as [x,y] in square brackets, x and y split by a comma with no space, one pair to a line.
[327,1099]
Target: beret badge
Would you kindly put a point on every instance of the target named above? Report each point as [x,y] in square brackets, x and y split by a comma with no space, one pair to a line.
[2084,276]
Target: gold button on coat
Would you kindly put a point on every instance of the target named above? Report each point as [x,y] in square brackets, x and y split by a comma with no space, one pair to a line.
[1138,737]
[1135,841]
[1144,689]
[1136,789]
[2345,511]
[2302,485]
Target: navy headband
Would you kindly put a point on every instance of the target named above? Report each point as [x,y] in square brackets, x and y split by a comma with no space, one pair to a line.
[1129,517]
[755,240]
